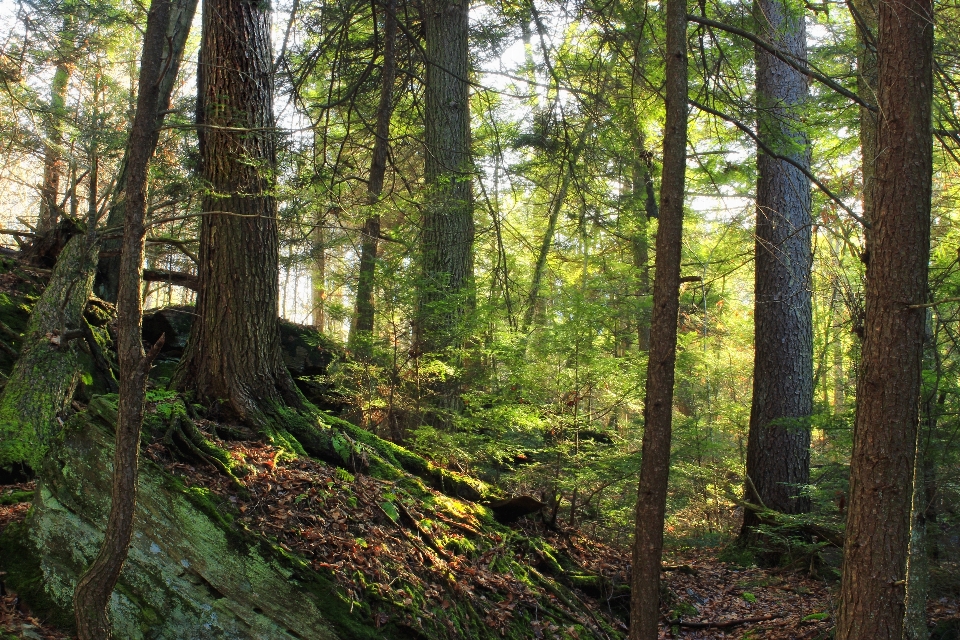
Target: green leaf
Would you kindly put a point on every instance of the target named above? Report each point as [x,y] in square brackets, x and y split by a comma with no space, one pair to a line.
[391,510]
[749,597]
[816,616]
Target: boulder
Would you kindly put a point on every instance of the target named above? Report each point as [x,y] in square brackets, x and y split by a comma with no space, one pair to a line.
[191,573]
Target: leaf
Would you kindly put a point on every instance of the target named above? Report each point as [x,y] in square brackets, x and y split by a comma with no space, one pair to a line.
[391,510]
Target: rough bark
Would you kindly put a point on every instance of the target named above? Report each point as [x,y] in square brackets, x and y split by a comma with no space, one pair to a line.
[658,407]
[865,18]
[445,292]
[95,586]
[362,327]
[888,390]
[233,360]
[918,568]
[46,374]
[778,450]
[181,14]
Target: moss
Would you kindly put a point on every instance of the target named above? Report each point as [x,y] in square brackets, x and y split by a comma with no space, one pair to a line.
[21,563]
[16,497]
[738,554]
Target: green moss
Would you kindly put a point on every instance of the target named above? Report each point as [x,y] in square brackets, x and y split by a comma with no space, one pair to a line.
[16,497]
[738,554]
[21,563]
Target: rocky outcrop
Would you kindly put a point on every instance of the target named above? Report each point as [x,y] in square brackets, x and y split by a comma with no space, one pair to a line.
[191,572]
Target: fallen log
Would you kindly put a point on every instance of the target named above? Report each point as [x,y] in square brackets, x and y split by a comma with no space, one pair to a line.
[722,624]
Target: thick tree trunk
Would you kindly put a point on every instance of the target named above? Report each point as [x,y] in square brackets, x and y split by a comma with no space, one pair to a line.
[446,295]
[778,451]
[888,391]
[181,14]
[233,355]
[865,18]
[46,374]
[362,327]
[658,407]
[96,584]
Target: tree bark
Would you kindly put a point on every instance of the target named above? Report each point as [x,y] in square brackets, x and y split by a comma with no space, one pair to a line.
[107,284]
[48,370]
[362,327]
[778,449]
[96,584]
[445,292]
[888,391]
[232,361]
[658,407]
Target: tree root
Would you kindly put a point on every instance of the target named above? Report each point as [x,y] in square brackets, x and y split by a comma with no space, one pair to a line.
[186,442]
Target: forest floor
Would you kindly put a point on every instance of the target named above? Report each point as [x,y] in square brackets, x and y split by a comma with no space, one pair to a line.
[704,597]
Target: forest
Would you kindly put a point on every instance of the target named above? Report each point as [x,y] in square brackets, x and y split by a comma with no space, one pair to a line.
[344,320]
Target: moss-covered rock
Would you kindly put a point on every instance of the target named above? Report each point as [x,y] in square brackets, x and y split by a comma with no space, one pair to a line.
[191,573]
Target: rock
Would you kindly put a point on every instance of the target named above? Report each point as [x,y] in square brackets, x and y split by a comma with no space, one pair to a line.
[174,323]
[190,573]
[512,509]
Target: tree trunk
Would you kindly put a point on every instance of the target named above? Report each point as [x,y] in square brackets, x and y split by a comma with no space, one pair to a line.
[181,14]
[888,391]
[556,204]
[362,328]
[918,568]
[865,18]
[778,449]
[46,374]
[96,584]
[446,294]
[233,355]
[643,184]
[658,407]
[52,153]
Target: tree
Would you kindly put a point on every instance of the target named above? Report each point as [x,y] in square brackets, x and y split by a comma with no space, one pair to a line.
[658,408]
[234,351]
[888,386]
[107,283]
[446,290]
[96,584]
[362,326]
[778,450]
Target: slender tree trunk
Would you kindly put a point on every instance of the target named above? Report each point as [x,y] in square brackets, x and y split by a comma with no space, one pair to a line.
[643,184]
[556,204]
[53,153]
[888,391]
[234,351]
[107,284]
[658,408]
[362,327]
[96,584]
[446,294]
[318,273]
[778,449]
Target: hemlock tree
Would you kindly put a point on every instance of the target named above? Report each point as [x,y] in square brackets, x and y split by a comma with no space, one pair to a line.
[658,407]
[888,387]
[234,351]
[445,295]
[362,327]
[778,451]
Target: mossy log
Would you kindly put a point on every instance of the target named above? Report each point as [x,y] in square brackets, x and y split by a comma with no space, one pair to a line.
[45,376]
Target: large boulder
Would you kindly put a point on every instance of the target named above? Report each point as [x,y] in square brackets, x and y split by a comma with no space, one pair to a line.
[191,573]
[306,352]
